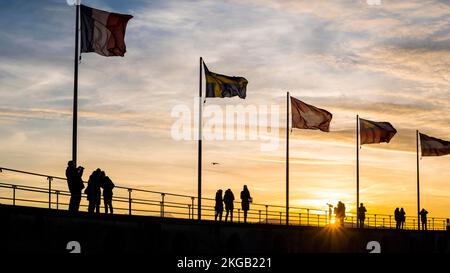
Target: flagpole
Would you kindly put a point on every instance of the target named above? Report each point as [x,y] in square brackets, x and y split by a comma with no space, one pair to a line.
[199,207]
[418,180]
[287,158]
[75,87]
[357,170]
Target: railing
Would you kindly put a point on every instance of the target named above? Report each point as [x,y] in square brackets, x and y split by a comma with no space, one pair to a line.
[133,201]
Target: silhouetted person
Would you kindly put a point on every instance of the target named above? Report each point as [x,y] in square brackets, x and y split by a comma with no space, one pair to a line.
[93,191]
[339,210]
[219,206]
[108,187]
[245,201]
[361,215]
[75,184]
[423,218]
[402,218]
[228,199]
[397,218]
[330,212]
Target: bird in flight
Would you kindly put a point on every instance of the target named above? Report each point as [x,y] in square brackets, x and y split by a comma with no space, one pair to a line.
[215,163]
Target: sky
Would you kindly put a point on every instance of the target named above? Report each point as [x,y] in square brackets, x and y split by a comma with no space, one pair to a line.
[385,61]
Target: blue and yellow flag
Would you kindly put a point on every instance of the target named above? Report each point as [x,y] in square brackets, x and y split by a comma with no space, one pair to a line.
[221,86]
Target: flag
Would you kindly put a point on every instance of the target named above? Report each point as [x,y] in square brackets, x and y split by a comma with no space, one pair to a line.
[221,86]
[103,32]
[375,132]
[305,116]
[432,146]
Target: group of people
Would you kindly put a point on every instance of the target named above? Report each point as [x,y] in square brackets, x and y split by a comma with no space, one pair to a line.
[228,200]
[400,218]
[97,180]
[399,215]
[339,212]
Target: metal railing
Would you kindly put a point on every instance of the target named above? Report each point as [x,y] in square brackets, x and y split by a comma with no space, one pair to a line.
[134,201]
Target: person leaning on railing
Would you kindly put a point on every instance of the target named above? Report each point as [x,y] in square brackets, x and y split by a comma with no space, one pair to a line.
[75,185]
[245,201]
[228,199]
[108,187]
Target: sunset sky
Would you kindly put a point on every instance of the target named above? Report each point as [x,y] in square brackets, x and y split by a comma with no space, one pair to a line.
[387,62]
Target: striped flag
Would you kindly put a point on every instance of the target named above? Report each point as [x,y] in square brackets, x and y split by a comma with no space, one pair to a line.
[103,32]
[375,132]
[305,116]
[431,146]
[221,86]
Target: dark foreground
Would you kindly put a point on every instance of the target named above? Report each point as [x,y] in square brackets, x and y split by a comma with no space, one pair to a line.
[26,229]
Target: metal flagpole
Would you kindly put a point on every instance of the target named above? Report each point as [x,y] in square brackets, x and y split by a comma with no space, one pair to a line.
[75,86]
[287,158]
[357,170]
[199,207]
[418,180]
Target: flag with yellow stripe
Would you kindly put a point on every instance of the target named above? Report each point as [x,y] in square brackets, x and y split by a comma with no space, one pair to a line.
[221,86]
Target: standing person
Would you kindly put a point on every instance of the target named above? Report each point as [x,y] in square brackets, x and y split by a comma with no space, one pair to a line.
[219,205]
[402,218]
[397,218]
[423,218]
[337,212]
[330,212]
[228,199]
[75,184]
[93,191]
[108,187]
[245,201]
[340,212]
[361,215]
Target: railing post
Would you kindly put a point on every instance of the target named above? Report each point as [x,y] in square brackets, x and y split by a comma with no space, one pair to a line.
[267,219]
[129,201]
[259,213]
[239,215]
[383,223]
[192,206]
[318,220]
[280,218]
[432,221]
[50,179]
[162,204]
[351,219]
[14,194]
[57,200]
[307,217]
[414,223]
[375,221]
[390,222]
[299,219]
[189,211]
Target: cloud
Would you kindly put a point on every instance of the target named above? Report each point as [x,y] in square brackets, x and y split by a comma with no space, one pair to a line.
[387,62]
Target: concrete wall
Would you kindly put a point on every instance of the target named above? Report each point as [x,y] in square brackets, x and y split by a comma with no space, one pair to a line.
[25,229]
